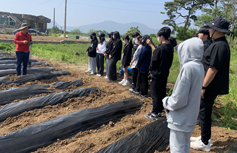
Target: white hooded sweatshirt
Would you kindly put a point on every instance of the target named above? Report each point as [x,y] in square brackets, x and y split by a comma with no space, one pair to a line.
[184,103]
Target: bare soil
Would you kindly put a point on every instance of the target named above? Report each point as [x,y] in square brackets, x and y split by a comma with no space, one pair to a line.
[94,140]
[41,38]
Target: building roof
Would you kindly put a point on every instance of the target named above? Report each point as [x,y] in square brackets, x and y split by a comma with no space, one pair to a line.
[23,17]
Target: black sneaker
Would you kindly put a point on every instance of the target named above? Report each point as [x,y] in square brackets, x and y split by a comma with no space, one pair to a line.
[143,96]
[134,92]
[152,117]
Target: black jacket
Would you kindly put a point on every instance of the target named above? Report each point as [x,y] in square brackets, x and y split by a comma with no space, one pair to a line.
[161,60]
[92,48]
[109,46]
[207,43]
[135,46]
[127,54]
[116,50]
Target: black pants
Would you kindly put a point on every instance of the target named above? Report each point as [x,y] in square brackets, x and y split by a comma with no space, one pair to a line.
[158,92]
[134,77]
[100,63]
[113,70]
[22,57]
[142,83]
[205,116]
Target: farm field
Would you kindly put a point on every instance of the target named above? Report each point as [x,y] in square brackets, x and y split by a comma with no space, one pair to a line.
[42,38]
[94,139]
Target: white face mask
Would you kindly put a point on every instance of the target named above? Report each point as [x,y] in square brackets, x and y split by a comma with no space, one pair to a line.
[113,37]
[159,40]
[136,42]
[124,42]
[134,39]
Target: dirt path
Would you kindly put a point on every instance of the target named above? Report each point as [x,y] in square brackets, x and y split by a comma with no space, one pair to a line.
[93,140]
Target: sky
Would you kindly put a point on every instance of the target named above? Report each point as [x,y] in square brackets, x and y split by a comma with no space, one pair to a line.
[84,12]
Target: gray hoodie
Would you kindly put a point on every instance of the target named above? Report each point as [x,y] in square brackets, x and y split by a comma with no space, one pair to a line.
[184,103]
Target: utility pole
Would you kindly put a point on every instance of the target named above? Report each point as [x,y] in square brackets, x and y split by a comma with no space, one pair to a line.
[65,18]
[53,20]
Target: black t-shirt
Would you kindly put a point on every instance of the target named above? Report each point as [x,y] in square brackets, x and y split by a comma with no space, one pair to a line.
[207,43]
[218,56]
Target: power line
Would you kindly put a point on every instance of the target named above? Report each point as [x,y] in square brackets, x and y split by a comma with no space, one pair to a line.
[59,6]
[112,8]
[34,6]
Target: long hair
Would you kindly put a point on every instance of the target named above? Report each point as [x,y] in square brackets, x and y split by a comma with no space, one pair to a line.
[117,38]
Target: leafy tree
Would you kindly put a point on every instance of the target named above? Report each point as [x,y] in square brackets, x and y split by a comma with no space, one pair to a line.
[176,8]
[76,32]
[153,35]
[230,12]
[189,34]
[133,30]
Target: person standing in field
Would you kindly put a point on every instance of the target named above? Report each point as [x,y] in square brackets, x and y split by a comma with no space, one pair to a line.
[134,62]
[159,69]
[182,107]
[127,55]
[216,62]
[135,46]
[143,68]
[205,36]
[115,55]
[106,54]
[100,50]
[22,41]
[91,52]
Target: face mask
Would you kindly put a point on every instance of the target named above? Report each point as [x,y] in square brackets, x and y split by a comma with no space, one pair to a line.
[134,39]
[159,40]
[136,42]
[124,42]
[113,37]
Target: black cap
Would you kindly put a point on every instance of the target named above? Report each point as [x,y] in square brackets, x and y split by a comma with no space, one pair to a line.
[204,30]
[135,34]
[102,35]
[220,25]
[93,34]
[145,37]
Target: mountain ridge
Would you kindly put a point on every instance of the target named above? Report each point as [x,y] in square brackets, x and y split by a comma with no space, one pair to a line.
[109,26]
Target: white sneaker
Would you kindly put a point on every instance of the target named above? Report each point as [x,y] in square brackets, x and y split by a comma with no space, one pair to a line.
[193,139]
[88,71]
[92,73]
[98,75]
[106,77]
[122,82]
[131,89]
[126,83]
[199,145]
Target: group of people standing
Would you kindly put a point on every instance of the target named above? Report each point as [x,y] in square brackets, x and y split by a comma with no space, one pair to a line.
[99,51]
[204,74]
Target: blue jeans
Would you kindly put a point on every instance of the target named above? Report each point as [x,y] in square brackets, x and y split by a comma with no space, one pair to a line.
[22,57]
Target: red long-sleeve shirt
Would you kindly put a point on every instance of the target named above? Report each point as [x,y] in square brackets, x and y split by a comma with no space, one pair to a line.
[19,38]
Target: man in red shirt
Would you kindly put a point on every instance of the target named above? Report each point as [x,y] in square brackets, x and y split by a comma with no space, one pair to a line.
[22,41]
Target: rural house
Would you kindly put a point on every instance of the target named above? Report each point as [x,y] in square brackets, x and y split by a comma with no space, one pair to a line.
[12,21]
